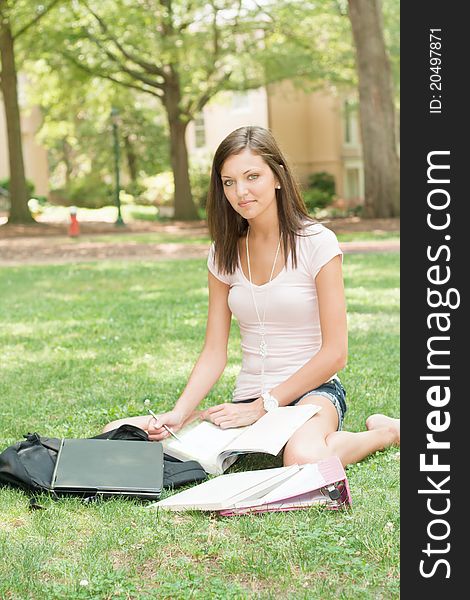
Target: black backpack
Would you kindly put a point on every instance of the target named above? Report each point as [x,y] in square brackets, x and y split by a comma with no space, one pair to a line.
[29,464]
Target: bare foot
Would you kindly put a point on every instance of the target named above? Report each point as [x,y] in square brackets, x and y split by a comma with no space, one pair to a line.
[379,421]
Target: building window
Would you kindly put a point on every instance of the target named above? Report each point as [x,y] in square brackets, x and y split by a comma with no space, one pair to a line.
[199,131]
[351,137]
[354,185]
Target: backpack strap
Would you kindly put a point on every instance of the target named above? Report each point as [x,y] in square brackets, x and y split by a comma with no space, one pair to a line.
[124,432]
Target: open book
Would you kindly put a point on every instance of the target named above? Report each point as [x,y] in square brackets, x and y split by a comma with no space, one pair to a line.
[284,488]
[216,449]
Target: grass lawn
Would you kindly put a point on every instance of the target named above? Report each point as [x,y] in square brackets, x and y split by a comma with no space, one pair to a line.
[365,236]
[134,238]
[185,237]
[84,344]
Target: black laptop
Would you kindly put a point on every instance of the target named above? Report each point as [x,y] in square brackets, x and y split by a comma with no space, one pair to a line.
[109,468]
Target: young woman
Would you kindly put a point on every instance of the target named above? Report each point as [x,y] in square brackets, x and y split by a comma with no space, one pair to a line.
[280,274]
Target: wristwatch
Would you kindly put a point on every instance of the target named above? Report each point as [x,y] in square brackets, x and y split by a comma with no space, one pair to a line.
[269,402]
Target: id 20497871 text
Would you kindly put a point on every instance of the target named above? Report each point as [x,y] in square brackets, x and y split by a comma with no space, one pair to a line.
[435,66]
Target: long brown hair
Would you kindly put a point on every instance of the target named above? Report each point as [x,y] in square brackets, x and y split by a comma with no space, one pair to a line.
[226,226]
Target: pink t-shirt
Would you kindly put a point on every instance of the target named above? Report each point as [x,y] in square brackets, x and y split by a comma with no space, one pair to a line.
[292,326]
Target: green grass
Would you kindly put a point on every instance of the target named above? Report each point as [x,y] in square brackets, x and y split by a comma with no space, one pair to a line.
[186,237]
[135,238]
[364,236]
[84,344]
[106,213]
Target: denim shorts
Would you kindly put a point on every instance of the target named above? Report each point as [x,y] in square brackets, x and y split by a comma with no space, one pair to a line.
[333,390]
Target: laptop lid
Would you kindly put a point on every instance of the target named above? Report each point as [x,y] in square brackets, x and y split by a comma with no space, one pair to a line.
[114,466]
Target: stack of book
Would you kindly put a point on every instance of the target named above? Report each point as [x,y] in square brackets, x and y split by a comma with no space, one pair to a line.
[277,489]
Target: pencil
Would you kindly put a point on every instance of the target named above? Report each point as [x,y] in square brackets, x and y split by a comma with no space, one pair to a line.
[165,426]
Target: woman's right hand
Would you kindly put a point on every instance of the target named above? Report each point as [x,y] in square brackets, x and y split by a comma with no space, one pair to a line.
[172,419]
[156,432]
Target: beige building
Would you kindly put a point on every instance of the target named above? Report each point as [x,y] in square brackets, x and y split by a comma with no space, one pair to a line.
[317,131]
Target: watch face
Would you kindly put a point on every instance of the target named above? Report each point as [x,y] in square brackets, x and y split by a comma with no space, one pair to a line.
[269,403]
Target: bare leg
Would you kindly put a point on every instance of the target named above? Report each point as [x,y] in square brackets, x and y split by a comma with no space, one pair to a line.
[318,438]
[308,444]
[353,447]
[144,421]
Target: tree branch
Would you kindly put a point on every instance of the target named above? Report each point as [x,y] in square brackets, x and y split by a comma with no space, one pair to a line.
[115,59]
[149,67]
[198,104]
[96,73]
[36,18]
[167,23]
[185,24]
[213,88]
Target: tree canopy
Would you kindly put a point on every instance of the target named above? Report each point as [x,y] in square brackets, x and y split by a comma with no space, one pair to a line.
[160,61]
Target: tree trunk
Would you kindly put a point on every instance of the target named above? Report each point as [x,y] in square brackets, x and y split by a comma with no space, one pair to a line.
[19,211]
[67,158]
[185,208]
[377,113]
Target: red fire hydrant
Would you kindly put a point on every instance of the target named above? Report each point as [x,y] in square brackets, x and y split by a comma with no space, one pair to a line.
[74,227]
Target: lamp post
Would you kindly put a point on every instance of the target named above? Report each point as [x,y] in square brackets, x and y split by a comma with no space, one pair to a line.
[114,121]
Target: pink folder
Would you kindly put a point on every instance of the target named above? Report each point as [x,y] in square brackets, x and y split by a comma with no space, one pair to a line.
[323,483]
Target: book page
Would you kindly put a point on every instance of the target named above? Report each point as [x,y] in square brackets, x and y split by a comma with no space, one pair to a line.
[210,445]
[209,437]
[270,433]
[201,441]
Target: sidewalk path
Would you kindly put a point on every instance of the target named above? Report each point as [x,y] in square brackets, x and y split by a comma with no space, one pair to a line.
[62,250]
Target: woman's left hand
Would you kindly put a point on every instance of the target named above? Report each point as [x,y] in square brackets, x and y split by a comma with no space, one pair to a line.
[234,414]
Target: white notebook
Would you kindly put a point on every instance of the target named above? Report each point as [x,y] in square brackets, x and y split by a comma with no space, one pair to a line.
[216,449]
[283,488]
[224,491]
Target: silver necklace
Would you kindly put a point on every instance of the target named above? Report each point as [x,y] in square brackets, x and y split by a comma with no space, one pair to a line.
[263,347]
